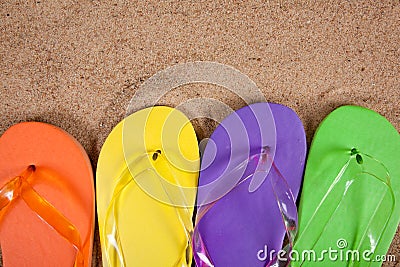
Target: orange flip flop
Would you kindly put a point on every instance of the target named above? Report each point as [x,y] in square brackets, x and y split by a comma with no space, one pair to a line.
[46,198]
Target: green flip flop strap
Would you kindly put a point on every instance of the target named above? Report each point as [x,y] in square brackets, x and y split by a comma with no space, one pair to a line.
[371,167]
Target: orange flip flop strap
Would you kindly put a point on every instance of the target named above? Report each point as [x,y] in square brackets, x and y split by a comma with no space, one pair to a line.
[19,187]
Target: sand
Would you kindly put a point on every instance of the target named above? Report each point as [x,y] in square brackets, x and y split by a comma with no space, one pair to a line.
[77,64]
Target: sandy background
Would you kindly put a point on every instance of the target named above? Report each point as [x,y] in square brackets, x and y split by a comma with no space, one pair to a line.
[76,64]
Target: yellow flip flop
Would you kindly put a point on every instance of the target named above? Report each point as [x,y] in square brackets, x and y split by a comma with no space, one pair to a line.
[146,187]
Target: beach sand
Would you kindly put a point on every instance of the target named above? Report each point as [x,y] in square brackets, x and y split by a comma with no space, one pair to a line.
[77,64]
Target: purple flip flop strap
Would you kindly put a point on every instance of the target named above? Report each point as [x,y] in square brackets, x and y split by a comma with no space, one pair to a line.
[284,199]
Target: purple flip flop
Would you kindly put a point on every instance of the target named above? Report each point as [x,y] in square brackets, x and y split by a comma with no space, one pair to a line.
[250,177]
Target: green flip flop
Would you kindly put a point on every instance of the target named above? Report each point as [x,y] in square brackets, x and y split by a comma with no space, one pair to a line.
[349,207]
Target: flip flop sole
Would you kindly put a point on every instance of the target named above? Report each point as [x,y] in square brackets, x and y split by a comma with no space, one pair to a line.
[63,177]
[150,230]
[342,221]
[241,223]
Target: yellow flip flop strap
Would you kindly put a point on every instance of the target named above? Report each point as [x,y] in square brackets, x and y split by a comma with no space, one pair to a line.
[114,251]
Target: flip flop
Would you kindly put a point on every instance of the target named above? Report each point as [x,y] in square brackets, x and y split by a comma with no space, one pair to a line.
[249,180]
[351,192]
[146,187]
[46,198]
